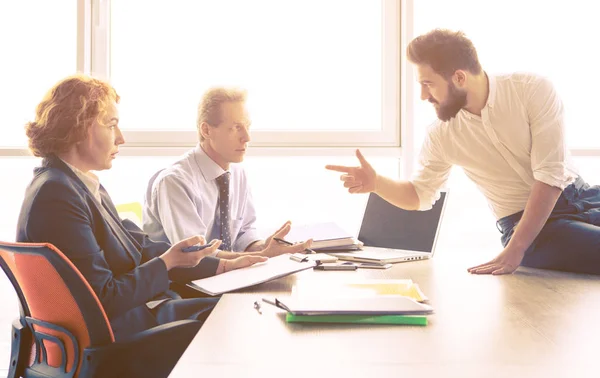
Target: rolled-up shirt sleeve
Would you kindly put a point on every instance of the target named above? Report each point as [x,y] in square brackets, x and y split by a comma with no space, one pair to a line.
[549,154]
[433,171]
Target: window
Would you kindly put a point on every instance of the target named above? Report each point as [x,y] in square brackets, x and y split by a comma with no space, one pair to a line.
[38,49]
[303,191]
[317,72]
[554,39]
[20,171]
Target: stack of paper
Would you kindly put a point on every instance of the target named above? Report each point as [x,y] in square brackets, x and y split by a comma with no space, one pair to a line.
[363,301]
[362,310]
[372,306]
[360,288]
[326,237]
[405,288]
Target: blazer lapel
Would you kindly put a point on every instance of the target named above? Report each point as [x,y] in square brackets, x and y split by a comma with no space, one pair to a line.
[110,217]
[129,244]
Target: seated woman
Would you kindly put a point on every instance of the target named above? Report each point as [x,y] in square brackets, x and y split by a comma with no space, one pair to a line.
[76,130]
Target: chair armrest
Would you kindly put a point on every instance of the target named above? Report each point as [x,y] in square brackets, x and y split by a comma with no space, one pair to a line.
[153,352]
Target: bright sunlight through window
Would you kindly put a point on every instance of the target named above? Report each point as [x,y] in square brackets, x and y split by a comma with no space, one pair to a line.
[307,65]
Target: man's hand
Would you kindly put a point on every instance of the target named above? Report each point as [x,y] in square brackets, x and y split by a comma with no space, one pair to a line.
[244,261]
[505,263]
[541,201]
[357,179]
[274,248]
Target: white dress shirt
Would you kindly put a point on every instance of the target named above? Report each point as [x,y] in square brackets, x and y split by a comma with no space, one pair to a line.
[518,138]
[182,201]
[90,180]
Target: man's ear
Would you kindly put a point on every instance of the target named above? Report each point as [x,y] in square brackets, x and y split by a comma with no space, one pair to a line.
[459,78]
[205,130]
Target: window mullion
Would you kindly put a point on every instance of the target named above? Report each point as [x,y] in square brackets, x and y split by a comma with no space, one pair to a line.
[100,39]
[84,36]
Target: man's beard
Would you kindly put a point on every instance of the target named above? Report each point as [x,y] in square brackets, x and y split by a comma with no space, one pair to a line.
[457,100]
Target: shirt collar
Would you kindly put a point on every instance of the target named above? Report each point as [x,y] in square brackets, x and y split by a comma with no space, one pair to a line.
[490,100]
[91,181]
[210,170]
[492,90]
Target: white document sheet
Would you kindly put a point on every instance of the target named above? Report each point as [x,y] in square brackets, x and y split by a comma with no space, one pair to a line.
[273,268]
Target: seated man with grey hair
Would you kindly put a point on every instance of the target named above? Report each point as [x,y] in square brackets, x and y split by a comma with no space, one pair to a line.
[206,193]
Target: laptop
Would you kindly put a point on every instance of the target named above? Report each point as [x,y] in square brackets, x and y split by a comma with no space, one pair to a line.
[392,235]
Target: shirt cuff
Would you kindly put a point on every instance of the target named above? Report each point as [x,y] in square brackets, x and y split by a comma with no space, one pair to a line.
[209,266]
[159,276]
[426,196]
[245,239]
[559,178]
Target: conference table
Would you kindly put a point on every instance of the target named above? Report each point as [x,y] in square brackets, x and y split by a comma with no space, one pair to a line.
[532,323]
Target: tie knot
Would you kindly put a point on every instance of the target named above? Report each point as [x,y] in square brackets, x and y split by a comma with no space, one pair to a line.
[223,180]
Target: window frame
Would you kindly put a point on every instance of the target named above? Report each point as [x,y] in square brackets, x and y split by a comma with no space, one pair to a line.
[396,137]
[388,136]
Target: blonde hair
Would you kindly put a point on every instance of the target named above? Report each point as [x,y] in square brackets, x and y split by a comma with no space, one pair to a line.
[209,109]
[66,113]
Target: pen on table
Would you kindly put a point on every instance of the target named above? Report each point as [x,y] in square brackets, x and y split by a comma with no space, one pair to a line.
[257,307]
[270,301]
[276,303]
[308,250]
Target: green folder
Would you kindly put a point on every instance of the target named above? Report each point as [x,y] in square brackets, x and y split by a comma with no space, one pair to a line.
[358,319]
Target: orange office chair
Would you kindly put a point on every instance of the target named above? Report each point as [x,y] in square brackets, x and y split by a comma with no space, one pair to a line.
[63,330]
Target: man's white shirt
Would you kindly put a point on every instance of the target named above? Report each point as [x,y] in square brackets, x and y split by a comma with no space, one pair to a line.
[182,201]
[525,114]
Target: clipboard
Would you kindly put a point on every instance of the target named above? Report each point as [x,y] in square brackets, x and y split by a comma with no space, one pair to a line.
[271,269]
[368,306]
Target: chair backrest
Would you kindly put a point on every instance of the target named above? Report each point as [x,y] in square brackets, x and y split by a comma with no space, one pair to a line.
[57,304]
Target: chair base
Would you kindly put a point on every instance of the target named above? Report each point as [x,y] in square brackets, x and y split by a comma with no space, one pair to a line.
[19,351]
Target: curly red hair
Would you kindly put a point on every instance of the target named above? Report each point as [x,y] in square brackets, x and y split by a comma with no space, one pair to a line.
[67,112]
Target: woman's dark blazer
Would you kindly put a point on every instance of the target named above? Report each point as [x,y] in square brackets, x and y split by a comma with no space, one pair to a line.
[118,259]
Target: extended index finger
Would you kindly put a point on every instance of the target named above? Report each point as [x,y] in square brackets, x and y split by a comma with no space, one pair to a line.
[340,168]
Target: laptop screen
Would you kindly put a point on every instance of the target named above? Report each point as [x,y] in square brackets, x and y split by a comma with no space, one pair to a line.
[387,226]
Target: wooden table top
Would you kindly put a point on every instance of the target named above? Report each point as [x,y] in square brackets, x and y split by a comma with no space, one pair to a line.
[529,324]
